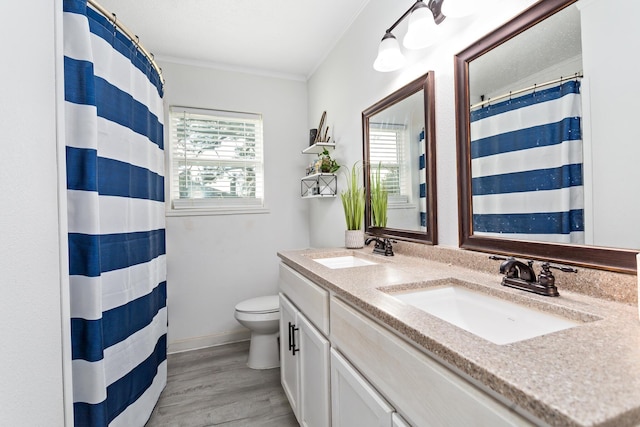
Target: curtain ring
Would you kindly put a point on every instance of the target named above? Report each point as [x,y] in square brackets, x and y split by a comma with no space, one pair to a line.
[115,24]
[137,49]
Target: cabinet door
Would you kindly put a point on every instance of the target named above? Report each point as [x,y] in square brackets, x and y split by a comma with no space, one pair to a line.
[353,401]
[289,361]
[313,362]
[398,421]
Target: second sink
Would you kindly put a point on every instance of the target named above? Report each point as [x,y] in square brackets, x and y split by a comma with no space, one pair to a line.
[492,318]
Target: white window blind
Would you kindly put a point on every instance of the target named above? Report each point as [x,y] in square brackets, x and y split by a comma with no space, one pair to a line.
[387,149]
[216,158]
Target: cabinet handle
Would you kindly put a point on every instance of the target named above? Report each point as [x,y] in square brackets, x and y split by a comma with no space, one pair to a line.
[294,350]
[290,336]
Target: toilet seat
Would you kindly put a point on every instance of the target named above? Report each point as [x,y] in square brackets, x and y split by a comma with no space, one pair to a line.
[260,305]
[256,317]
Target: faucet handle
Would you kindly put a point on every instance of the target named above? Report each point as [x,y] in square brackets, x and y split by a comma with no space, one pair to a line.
[388,247]
[546,277]
[563,268]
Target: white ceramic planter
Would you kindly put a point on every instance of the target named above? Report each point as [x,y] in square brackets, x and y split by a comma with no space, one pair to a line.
[354,239]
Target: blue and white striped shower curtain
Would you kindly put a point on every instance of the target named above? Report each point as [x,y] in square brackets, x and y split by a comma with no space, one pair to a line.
[115,190]
[526,162]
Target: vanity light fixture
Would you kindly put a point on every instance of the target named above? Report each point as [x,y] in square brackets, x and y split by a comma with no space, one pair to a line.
[419,34]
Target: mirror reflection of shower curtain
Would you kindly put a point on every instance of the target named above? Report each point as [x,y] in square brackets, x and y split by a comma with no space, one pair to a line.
[115,191]
[526,163]
[422,163]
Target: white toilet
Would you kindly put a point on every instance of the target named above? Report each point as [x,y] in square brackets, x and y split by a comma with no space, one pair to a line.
[262,316]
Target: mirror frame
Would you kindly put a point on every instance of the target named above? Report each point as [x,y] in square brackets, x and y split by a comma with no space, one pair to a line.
[612,259]
[426,83]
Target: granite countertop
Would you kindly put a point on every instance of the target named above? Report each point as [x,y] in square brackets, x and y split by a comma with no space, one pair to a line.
[588,375]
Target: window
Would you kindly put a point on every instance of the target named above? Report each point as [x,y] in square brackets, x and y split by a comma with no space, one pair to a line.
[387,149]
[216,159]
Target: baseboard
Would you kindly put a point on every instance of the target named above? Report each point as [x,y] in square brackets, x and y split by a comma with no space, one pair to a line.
[208,341]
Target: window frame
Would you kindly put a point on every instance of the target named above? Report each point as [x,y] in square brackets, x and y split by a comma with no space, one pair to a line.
[177,206]
[403,199]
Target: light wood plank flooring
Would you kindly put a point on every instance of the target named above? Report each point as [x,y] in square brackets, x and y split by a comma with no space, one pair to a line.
[214,387]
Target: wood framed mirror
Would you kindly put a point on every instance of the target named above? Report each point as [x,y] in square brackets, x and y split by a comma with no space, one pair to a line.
[399,142]
[554,198]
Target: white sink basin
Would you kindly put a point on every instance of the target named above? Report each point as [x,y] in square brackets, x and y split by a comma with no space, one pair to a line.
[491,318]
[344,262]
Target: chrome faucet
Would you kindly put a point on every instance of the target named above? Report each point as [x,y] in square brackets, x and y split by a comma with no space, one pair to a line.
[382,247]
[522,276]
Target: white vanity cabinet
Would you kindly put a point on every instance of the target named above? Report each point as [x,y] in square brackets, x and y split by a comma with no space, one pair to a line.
[354,402]
[304,349]
[424,391]
[340,367]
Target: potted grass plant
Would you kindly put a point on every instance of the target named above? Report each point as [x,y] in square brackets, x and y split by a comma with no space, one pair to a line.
[379,199]
[353,203]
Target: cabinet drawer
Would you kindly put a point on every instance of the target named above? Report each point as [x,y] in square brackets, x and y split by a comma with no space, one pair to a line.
[310,298]
[422,389]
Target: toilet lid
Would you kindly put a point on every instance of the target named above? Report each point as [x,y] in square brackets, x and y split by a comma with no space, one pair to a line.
[268,304]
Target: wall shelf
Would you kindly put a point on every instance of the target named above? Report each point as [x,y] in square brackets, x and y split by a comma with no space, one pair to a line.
[319,147]
[319,185]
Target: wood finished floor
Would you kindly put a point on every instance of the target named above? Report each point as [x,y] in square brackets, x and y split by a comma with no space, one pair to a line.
[214,387]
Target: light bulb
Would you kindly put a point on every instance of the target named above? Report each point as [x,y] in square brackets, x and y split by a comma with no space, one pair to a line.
[421,28]
[389,56]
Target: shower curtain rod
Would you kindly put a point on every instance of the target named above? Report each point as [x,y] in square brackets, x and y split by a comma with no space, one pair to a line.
[526,89]
[134,38]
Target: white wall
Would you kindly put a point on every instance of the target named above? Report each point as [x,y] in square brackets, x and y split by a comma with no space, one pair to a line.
[214,262]
[611,40]
[346,84]
[31,381]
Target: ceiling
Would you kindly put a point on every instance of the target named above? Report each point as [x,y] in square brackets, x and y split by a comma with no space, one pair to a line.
[280,37]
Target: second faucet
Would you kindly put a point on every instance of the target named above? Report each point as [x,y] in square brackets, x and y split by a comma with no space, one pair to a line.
[382,247]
